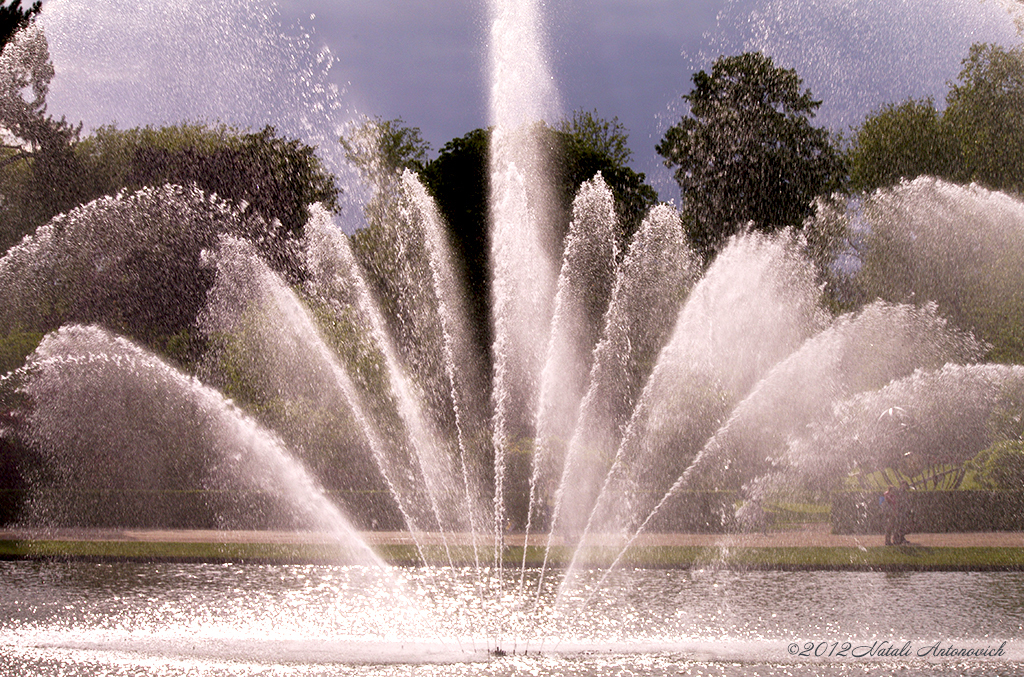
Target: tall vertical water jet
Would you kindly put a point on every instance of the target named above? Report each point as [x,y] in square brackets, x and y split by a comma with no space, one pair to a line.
[521,211]
[650,287]
[584,286]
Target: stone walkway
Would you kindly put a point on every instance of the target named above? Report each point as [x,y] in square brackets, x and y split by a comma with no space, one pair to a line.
[815,535]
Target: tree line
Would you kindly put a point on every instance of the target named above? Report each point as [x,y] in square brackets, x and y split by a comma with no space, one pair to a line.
[746,155]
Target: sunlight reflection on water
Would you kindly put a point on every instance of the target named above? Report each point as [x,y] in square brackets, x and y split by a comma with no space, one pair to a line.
[81,618]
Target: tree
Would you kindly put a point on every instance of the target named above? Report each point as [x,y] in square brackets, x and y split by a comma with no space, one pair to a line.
[394,250]
[985,110]
[258,172]
[29,134]
[458,180]
[579,147]
[979,138]
[275,177]
[607,138]
[1001,466]
[381,150]
[459,183]
[903,142]
[747,151]
[378,145]
[135,263]
[13,18]
[586,144]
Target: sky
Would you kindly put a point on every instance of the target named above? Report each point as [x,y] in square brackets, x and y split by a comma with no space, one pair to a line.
[310,66]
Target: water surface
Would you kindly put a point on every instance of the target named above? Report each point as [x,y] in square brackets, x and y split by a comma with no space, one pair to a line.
[125,618]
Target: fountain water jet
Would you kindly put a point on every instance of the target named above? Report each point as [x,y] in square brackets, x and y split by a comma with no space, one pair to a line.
[655,276]
[859,436]
[755,305]
[738,379]
[521,204]
[86,368]
[585,280]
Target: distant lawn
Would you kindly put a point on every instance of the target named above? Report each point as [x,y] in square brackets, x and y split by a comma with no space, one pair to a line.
[163,551]
[655,557]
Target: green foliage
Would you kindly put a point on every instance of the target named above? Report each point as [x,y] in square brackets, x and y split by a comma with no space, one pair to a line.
[586,144]
[393,250]
[15,347]
[985,109]
[390,145]
[276,178]
[48,184]
[258,173]
[134,264]
[579,147]
[979,137]
[829,239]
[395,261]
[919,254]
[903,142]
[381,150]
[458,181]
[1001,466]
[591,133]
[109,153]
[908,244]
[747,151]
[313,422]
[1007,419]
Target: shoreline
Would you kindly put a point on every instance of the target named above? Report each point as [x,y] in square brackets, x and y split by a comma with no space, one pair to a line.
[808,548]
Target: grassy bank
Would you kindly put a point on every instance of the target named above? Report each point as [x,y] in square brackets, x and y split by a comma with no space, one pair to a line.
[908,558]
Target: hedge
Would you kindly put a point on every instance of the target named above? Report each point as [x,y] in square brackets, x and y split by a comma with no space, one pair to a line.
[931,511]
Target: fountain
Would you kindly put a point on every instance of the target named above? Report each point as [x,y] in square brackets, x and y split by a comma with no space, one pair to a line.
[624,385]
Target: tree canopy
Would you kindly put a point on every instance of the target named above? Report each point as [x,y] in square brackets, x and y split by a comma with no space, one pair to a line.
[903,141]
[377,144]
[747,151]
[985,110]
[458,181]
[277,178]
[271,176]
[14,18]
[913,235]
[36,149]
[579,148]
[585,144]
[978,138]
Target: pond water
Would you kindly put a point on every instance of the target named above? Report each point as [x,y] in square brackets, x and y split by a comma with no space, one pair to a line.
[125,618]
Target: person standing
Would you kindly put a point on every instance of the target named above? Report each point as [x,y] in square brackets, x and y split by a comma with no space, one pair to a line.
[895,499]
